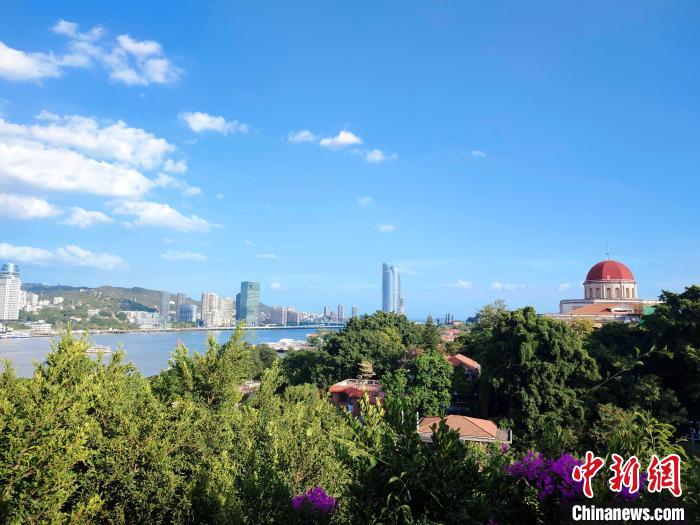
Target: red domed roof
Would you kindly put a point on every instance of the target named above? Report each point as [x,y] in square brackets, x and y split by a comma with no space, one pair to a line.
[609,270]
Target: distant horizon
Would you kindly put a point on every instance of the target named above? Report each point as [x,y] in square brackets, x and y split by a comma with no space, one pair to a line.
[412,317]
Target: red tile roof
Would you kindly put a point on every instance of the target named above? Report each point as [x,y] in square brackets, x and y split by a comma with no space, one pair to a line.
[467,428]
[462,360]
[608,309]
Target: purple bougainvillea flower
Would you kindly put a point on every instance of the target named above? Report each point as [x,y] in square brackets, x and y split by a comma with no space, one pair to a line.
[551,477]
[315,501]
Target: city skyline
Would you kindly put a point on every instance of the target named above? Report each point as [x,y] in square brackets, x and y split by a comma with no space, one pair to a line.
[222,143]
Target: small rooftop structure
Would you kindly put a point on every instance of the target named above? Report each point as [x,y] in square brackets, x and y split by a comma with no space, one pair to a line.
[450,335]
[469,429]
[347,394]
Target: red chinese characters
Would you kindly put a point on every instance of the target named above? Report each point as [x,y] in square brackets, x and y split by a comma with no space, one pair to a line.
[625,474]
[665,474]
[587,471]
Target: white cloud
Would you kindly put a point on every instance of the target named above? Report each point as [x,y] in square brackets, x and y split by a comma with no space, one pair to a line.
[81,218]
[564,286]
[248,242]
[341,140]
[198,122]
[192,191]
[461,284]
[276,286]
[109,141]
[167,181]
[386,228]
[58,169]
[141,49]
[25,207]
[508,287]
[175,167]
[365,201]
[20,66]
[171,255]
[156,214]
[71,255]
[376,155]
[267,256]
[477,153]
[304,135]
[70,29]
[219,195]
[127,60]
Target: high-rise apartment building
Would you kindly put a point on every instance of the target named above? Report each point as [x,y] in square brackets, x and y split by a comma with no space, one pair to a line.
[180,299]
[9,292]
[210,309]
[341,312]
[250,303]
[354,311]
[278,315]
[392,300]
[228,310]
[186,313]
[165,306]
[293,317]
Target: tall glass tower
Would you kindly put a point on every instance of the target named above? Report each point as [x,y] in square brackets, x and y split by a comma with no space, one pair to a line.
[387,285]
[10,285]
[250,303]
[392,301]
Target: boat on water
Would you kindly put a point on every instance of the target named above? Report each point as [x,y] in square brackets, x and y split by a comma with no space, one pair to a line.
[98,349]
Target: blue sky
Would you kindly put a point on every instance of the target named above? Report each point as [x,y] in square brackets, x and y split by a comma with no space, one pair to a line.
[488,150]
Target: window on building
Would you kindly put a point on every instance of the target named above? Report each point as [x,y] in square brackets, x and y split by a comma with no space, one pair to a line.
[597,293]
[608,294]
[617,293]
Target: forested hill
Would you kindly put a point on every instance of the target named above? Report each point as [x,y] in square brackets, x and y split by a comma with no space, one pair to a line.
[103,296]
[135,298]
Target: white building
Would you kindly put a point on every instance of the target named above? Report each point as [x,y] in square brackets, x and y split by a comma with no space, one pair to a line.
[40,328]
[610,294]
[57,301]
[9,292]
[293,317]
[279,315]
[28,301]
[227,309]
[210,309]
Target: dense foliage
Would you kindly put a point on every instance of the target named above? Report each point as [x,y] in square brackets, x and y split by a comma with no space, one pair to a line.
[89,440]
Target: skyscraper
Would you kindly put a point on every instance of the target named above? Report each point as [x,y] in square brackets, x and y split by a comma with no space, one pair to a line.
[387,282]
[354,311]
[210,309]
[396,290]
[9,292]
[186,313]
[180,299]
[278,315]
[392,300]
[227,309]
[165,306]
[250,303]
[341,312]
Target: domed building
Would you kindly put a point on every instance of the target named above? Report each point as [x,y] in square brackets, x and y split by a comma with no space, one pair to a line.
[609,294]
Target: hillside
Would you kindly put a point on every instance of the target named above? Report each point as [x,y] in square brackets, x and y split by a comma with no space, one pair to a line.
[111,298]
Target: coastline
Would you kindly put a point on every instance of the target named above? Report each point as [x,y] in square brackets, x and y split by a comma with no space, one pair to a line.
[335,326]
